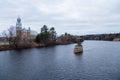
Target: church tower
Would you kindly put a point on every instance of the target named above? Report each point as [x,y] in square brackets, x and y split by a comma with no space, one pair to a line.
[19,28]
[18,23]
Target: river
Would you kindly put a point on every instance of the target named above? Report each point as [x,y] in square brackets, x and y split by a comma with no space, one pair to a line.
[99,61]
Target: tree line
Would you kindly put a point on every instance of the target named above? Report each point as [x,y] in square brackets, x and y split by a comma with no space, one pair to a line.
[106,37]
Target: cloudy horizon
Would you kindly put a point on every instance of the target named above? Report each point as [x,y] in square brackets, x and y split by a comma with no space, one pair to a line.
[77,17]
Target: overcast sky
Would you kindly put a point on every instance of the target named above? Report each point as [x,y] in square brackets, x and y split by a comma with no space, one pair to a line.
[77,17]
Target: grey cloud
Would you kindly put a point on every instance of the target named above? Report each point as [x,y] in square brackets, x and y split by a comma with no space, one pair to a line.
[73,16]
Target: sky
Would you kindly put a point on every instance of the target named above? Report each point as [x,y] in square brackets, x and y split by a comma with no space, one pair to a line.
[77,17]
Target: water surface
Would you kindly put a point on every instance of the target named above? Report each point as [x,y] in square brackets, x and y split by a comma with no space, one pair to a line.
[99,61]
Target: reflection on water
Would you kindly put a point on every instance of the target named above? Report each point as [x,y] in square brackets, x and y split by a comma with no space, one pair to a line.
[99,61]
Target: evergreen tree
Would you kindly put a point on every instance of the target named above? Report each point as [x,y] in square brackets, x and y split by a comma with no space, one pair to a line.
[44,29]
[46,35]
[52,33]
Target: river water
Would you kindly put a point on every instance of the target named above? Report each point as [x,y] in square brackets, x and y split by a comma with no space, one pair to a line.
[99,61]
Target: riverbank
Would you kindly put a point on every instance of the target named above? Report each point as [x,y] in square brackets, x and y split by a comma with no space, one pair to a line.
[8,47]
[33,45]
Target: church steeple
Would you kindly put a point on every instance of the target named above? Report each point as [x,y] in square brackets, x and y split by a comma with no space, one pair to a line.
[18,19]
[18,23]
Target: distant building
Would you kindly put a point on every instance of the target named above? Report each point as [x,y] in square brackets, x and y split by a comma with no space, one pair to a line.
[23,34]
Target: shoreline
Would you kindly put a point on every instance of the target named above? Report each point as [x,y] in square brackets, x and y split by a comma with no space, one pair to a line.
[40,45]
[34,45]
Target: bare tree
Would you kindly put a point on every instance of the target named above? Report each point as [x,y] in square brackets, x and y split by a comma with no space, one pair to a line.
[5,37]
[10,36]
